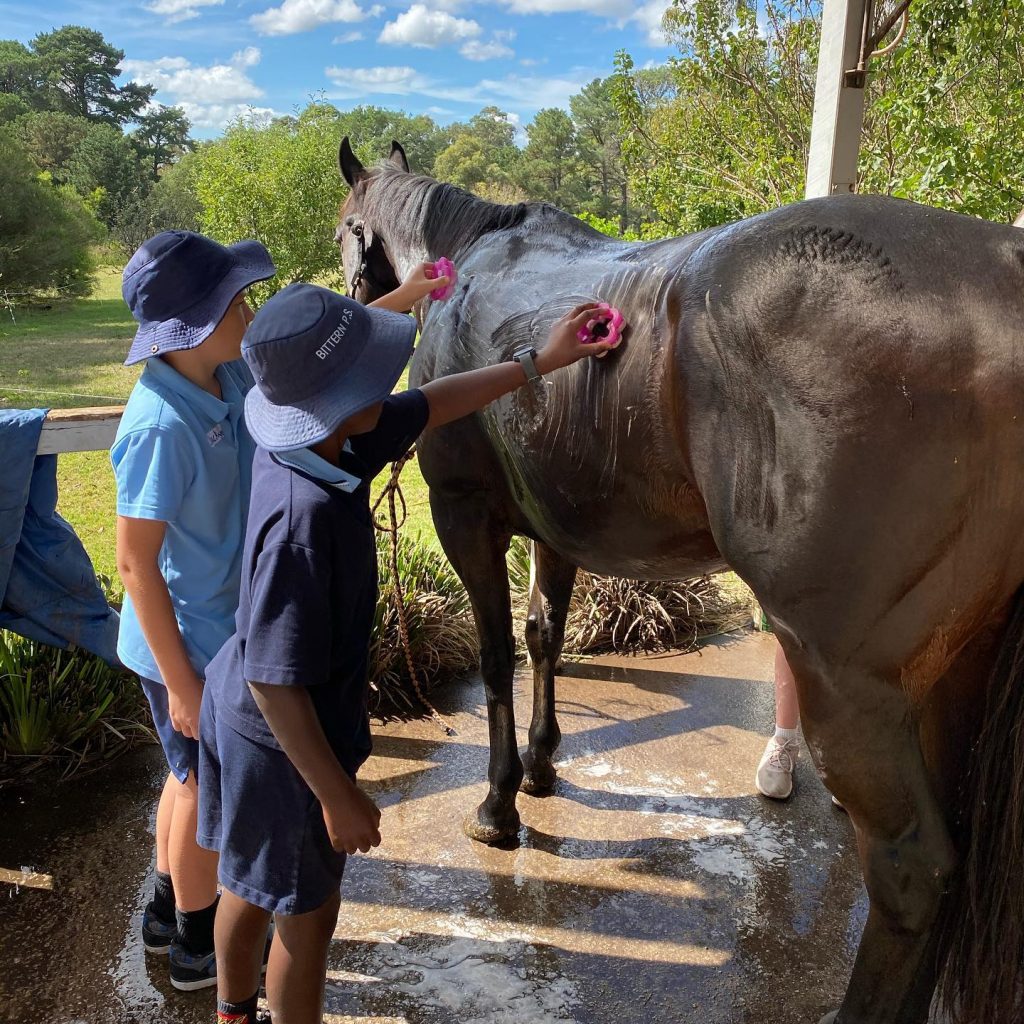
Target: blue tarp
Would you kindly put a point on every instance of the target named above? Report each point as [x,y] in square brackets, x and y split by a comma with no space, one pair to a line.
[48,587]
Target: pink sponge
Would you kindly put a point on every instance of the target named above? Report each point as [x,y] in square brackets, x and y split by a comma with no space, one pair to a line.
[443,268]
[606,326]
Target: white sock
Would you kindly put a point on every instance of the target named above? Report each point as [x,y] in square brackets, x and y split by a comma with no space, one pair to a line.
[787,735]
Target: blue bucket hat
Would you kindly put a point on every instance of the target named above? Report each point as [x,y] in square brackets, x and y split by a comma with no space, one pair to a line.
[318,358]
[179,285]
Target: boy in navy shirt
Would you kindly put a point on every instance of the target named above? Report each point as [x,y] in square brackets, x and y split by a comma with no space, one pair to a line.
[284,724]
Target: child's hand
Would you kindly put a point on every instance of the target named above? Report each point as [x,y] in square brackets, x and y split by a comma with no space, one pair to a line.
[352,822]
[184,698]
[563,347]
[416,284]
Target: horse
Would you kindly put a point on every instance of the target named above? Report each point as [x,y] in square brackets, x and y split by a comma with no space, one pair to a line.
[826,398]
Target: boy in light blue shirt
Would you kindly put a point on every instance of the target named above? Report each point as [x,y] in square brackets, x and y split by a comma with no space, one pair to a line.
[183,459]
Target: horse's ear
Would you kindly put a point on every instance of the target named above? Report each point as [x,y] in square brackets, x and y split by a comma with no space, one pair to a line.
[398,157]
[351,169]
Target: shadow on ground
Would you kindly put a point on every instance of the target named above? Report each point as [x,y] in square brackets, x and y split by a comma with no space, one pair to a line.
[653,884]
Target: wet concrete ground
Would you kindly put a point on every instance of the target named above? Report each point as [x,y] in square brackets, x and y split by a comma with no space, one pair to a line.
[654,885]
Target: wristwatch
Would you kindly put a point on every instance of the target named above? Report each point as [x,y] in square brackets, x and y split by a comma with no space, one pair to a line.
[524,357]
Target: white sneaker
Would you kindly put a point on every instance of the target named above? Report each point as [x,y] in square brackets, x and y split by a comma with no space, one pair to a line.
[775,772]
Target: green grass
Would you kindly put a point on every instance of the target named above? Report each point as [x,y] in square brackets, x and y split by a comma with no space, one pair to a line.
[69,356]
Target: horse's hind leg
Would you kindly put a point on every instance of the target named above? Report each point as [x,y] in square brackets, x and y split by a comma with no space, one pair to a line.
[862,734]
[545,633]
[476,541]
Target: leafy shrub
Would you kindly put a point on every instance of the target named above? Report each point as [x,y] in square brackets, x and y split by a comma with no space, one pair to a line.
[442,635]
[63,708]
[45,231]
[628,616]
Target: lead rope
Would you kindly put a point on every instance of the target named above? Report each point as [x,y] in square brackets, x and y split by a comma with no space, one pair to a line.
[392,491]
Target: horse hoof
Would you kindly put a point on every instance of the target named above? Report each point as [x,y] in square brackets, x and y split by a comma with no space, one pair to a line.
[830,1018]
[539,775]
[485,829]
[539,781]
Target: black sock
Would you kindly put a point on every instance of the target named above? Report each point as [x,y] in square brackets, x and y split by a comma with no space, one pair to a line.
[238,1013]
[163,897]
[195,929]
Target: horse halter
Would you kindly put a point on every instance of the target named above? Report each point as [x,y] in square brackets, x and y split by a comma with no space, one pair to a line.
[359,231]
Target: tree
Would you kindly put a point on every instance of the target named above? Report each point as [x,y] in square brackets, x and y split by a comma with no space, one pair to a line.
[11,108]
[171,205]
[371,130]
[944,124]
[597,126]
[80,66]
[52,139]
[551,168]
[105,165]
[20,71]
[482,153]
[161,136]
[279,183]
[466,163]
[45,231]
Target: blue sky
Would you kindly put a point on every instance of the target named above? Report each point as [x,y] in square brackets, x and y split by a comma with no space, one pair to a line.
[218,58]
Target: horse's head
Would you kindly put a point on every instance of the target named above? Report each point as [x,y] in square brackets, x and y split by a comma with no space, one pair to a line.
[369,271]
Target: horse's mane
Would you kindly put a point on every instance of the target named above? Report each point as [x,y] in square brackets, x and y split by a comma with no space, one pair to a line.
[444,217]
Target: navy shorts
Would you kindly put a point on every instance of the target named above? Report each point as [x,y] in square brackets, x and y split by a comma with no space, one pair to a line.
[257,812]
[182,753]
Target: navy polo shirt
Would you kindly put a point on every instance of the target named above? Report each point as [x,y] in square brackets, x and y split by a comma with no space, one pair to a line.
[309,587]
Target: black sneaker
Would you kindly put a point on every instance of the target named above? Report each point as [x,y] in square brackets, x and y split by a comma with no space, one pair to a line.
[157,934]
[191,972]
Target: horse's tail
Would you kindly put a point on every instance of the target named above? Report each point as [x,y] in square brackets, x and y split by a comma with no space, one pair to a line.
[983,974]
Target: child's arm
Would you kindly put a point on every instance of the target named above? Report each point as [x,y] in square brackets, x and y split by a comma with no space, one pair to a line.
[138,550]
[351,817]
[411,290]
[453,397]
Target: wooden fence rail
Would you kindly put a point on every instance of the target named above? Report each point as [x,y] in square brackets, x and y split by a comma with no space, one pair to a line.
[79,430]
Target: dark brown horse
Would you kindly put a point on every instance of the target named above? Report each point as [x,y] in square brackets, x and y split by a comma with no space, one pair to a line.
[828,398]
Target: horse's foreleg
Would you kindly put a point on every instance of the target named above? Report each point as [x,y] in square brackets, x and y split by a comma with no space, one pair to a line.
[545,633]
[863,737]
[475,543]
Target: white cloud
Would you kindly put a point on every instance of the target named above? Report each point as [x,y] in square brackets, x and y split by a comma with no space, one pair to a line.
[247,58]
[649,17]
[392,81]
[427,28]
[646,13]
[211,95]
[219,115]
[302,15]
[602,8]
[348,37]
[475,49]
[514,89]
[523,94]
[179,10]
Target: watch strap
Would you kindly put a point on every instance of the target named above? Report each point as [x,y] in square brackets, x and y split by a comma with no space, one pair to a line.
[524,357]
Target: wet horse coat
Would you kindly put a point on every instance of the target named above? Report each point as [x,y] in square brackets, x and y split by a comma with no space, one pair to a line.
[826,398]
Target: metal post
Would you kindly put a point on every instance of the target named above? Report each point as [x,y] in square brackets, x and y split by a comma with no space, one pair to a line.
[838,100]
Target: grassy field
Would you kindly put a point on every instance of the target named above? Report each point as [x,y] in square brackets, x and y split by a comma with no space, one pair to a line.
[71,356]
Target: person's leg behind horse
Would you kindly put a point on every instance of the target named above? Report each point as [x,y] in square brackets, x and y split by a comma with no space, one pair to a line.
[774,776]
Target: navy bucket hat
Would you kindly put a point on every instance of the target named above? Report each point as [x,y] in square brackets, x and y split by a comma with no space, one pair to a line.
[179,285]
[319,358]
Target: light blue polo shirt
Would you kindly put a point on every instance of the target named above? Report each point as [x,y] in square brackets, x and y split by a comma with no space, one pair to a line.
[184,457]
